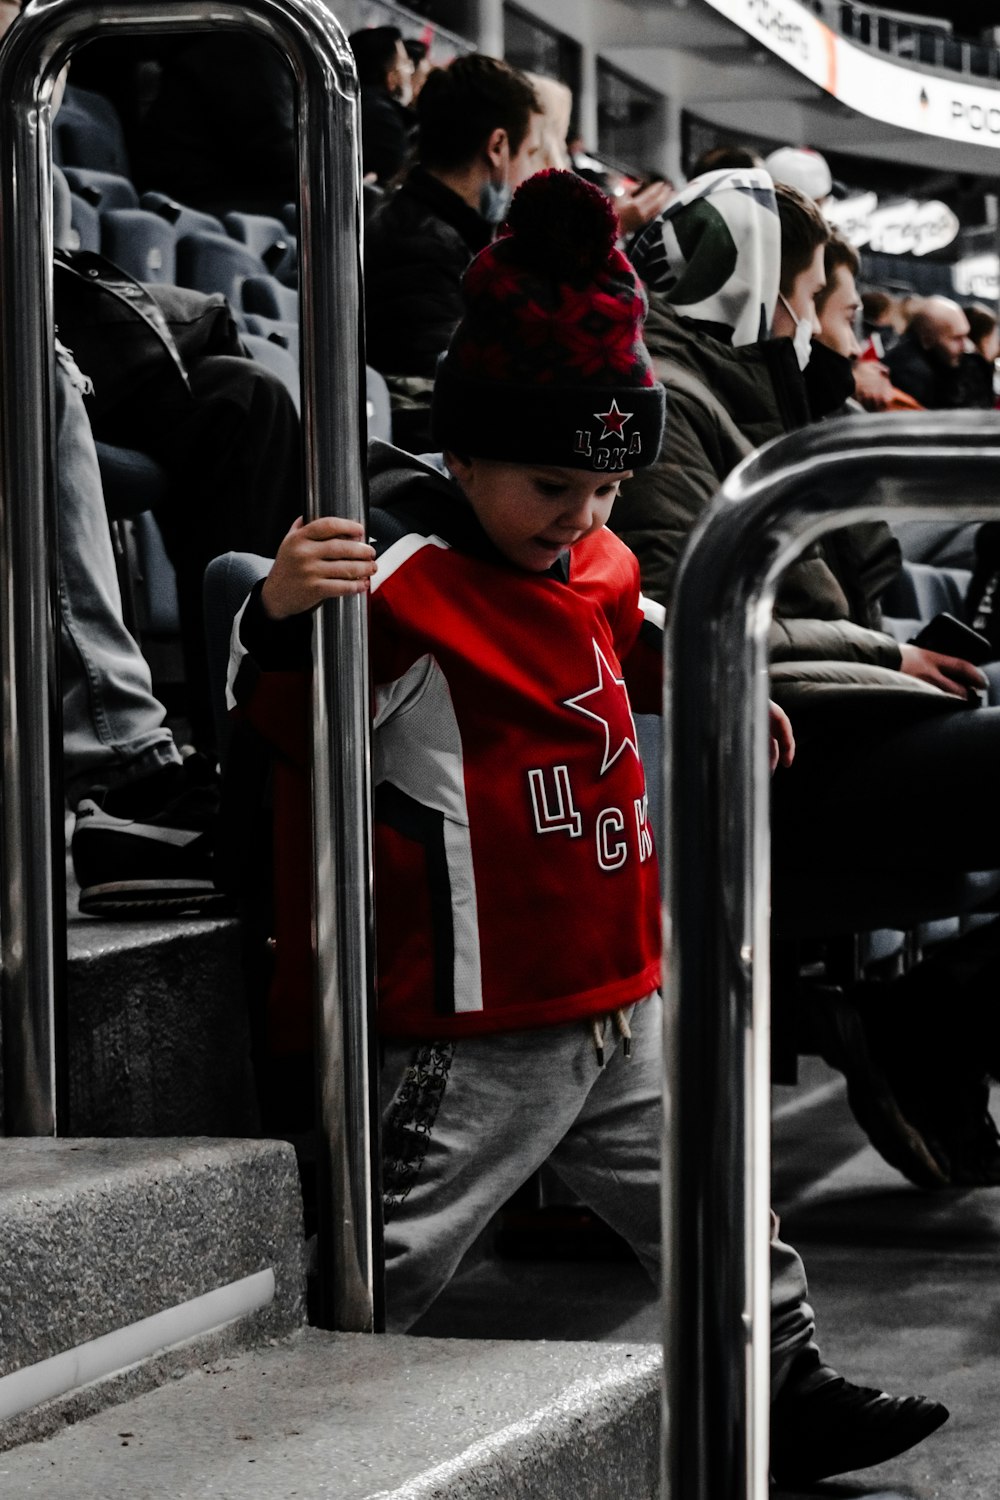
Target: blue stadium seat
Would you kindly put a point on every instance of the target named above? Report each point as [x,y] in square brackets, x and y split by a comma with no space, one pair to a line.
[215,263]
[379,406]
[85,225]
[267,297]
[185,220]
[278,361]
[284,334]
[103,190]
[262,236]
[141,243]
[87,132]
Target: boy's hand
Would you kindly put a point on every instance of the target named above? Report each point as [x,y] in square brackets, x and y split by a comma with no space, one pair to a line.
[324,559]
[782,740]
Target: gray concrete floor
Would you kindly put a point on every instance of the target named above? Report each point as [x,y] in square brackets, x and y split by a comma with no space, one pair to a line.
[905,1285]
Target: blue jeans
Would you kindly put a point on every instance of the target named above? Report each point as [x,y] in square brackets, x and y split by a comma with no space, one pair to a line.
[113,726]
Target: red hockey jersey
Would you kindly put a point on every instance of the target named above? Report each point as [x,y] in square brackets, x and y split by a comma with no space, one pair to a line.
[516,879]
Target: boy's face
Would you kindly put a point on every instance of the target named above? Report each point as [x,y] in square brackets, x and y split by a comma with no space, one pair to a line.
[533,513]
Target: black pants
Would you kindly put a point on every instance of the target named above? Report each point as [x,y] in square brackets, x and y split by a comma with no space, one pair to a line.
[923,796]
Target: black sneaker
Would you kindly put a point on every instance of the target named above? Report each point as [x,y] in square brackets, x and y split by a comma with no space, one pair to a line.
[146,847]
[824,1425]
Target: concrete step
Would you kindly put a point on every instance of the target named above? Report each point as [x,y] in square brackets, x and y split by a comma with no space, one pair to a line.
[158,1035]
[123,1262]
[350,1417]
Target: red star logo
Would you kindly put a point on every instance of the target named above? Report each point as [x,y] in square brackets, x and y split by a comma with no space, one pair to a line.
[608,704]
[614,420]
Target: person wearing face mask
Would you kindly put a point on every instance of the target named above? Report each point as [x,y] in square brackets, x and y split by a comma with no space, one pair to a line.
[385,74]
[479,134]
[894,771]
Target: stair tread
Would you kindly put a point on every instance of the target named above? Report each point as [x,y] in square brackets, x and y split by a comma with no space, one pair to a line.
[354,1417]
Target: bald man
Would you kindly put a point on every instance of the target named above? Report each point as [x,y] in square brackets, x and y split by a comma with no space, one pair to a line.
[925,362]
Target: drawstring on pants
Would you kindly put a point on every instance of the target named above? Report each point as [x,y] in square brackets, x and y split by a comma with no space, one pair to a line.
[597,1027]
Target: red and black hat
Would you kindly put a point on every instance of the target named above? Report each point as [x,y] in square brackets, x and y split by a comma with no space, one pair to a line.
[548,365]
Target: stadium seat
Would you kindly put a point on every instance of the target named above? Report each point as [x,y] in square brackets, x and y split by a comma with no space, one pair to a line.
[278,360]
[85,226]
[141,243]
[285,335]
[267,297]
[185,220]
[379,406]
[262,235]
[103,190]
[215,263]
[87,132]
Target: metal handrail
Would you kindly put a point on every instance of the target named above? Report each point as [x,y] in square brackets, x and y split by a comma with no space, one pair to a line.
[333,414]
[866,27]
[717,1012]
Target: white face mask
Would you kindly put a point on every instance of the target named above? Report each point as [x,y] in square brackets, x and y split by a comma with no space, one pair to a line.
[494,201]
[803,337]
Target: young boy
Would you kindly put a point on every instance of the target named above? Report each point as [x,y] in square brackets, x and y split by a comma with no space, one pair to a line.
[518,905]
[518,912]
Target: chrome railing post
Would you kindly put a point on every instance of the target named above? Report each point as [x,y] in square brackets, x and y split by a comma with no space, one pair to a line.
[716,919]
[333,416]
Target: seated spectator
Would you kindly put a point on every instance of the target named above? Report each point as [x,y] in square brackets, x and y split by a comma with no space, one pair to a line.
[838,307]
[927,359]
[385,74]
[145,817]
[979,363]
[882,317]
[555,100]
[170,377]
[420,56]
[803,168]
[479,135]
[881,729]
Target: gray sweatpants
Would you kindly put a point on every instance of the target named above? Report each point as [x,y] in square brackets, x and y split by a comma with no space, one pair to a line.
[466,1123]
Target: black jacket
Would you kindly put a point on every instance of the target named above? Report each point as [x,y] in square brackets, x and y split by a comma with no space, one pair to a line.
[921,376]
[417,247]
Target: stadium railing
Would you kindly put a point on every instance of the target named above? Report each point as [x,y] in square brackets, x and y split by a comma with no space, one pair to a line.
[32,899]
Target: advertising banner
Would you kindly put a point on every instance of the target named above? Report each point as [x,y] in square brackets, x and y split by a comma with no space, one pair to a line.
[939,104]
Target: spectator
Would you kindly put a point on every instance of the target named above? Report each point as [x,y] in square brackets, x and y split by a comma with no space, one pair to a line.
[802,168]
[555,100]
[385,74]
[419,54]
[521,554]
[479,135]
[144,835]
[882,317]
[171,378]
[724,157]
[881,728]
[978,366]
[927,359]
[838,307]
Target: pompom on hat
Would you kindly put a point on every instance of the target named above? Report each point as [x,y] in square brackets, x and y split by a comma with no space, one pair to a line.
[548,365]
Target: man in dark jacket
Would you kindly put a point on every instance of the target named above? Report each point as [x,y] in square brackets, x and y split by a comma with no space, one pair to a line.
[385,73]
[927,359]
[479,135]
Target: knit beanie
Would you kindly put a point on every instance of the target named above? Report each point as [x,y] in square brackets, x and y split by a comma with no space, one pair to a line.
[547,365]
